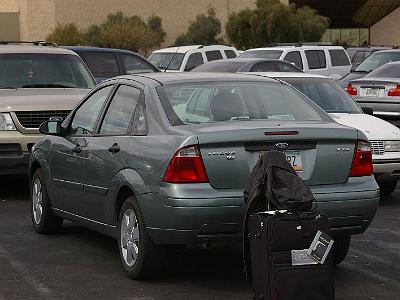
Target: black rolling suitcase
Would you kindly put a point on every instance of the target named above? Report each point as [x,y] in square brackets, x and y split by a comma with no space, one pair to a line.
[272,239]
[279,227]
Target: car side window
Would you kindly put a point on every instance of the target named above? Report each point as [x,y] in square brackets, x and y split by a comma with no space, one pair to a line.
[266,66]
[294,57]
[286,67]
[194,60]
[120,112]
[230,54]
[213,55]
[316,59]
[134,64]
[358,57]
[102,64]
[339,58]
[86,115]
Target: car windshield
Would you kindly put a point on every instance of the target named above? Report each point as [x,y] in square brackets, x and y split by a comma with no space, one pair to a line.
[376,60]
[40,70]
[326,93]
[236,101]
[163,60]
[272,54]
[389,70]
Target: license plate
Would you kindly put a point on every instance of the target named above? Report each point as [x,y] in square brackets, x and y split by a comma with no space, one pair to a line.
[294,159]
[374,92]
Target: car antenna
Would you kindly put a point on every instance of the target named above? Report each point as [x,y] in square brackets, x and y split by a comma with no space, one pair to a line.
[172,58]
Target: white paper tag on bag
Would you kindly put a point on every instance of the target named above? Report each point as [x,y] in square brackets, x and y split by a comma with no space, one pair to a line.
[300,258]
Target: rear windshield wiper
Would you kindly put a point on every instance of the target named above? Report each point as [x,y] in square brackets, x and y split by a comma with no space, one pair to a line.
[45,85]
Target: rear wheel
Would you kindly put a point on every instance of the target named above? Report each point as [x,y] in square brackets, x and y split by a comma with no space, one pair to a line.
[43,218]
[387,187]
[140,257]
[340,248]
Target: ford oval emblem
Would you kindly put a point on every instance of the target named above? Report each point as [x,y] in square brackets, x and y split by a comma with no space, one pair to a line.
[281,145]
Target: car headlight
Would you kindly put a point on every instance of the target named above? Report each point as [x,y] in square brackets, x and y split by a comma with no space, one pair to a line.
[392,146]
[6,123]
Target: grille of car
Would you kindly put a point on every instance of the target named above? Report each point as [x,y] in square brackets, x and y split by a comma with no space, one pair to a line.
[33,119]
[377,147]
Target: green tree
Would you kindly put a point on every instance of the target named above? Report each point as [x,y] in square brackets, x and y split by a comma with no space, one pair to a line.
[273,22]
[67,34]
[203,30]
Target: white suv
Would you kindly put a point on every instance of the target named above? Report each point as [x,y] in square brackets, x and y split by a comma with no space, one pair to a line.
[331,61]
[186,58]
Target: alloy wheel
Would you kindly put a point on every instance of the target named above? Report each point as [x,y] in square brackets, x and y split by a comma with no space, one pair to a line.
[37,197]
[129,237]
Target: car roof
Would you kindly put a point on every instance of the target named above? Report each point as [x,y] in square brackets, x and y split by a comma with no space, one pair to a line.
[289,75]
[18,48]
[184,49]
[178,77]
[282,48]
[96,49]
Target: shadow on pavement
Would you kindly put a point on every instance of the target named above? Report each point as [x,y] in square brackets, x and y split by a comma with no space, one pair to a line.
[14,187]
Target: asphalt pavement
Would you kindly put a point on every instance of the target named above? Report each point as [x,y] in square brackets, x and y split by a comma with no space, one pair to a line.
[82,264]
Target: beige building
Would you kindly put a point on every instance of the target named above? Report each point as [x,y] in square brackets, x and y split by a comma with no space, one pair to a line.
[34,19]
[353,21]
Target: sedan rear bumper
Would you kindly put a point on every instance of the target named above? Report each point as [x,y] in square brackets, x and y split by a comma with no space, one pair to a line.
[184,219]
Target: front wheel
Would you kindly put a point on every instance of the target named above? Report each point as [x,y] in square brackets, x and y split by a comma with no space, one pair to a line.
[43,218]
[340,248]
[140,257]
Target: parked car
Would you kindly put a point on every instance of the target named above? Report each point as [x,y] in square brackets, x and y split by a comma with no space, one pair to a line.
[380,89]
[247,65]
[358,54]
[374,61]
[383,136]
[105,63]
[330,61]
[186,58]
[37,81]
[163,159]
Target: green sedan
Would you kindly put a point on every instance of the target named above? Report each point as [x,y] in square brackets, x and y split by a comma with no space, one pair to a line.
[162,159]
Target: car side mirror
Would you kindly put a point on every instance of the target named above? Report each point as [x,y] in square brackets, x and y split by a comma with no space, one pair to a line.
[368,110]
[51,127]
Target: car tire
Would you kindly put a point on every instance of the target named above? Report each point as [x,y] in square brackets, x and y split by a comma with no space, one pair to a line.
[387,187]
[340,248]
[140,257]
[43,218]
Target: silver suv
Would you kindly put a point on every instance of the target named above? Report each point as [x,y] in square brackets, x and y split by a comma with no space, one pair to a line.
[37,81]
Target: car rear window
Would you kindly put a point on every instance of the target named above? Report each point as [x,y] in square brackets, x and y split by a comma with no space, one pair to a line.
[213,55]
[339,58]
[272,54]
[388,70]
[195,103]
[316,59]
[102,64]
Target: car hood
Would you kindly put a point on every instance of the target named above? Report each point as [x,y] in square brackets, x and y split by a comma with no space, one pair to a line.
[373,127]
[40,99]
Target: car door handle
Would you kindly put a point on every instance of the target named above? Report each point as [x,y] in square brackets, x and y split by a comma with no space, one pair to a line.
[115,148]
[77,149]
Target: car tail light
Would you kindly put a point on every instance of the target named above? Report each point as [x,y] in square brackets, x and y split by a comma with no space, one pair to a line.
[186,167]
[362,160]
[395,91]
[351,90]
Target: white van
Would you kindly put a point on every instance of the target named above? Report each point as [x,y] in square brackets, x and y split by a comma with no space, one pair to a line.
[331,61]
[186,58]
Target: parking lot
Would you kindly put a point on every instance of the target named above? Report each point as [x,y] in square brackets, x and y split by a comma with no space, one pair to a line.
[80,263]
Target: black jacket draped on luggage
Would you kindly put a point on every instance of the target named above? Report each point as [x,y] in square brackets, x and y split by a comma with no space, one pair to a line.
[273,185]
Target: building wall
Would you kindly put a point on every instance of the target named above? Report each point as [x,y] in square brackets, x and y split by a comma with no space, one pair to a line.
[38,17]
[386,31]
[9,26]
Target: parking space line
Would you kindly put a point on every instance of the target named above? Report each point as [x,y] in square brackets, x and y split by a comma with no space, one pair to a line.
[19,267]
